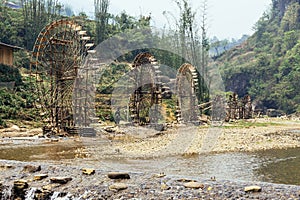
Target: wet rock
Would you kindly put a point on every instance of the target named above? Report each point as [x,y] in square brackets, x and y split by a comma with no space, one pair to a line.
[118,186]
[42,194]
[31,168]
[60,180]
[88,171]
[118,175]
[194,185]
[1,189]
[19,189]
[21,184]
[253,188]
[40,177]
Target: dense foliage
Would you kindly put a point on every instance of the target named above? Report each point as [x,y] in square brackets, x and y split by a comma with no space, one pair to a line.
[16,102]
[266,66]
[187,40]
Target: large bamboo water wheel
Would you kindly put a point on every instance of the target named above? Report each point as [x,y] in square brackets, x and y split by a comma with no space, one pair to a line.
[147,96]
[57,54]
[187,83]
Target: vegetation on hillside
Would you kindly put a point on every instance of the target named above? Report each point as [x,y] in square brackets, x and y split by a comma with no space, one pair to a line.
[20,27]
[16,102]
[266,66]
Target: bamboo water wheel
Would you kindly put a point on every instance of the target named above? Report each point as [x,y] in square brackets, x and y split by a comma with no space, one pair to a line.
[187,83]
[147,96]
[57,54]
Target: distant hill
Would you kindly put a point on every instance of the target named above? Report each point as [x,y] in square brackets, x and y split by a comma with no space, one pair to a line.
[267,64]
[218,47]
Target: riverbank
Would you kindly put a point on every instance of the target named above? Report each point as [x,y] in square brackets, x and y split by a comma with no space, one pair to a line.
[240,136]
[48,181]
[64,158]
[185,139]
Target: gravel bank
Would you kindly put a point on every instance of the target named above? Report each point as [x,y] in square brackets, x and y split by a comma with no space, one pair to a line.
[196,140]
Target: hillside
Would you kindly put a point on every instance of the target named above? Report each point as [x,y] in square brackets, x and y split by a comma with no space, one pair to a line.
[267,64]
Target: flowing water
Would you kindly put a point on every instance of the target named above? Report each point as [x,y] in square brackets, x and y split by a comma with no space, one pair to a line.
[276,166]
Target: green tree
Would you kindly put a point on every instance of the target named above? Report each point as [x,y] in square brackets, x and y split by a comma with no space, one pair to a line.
[36,15]
[101,19]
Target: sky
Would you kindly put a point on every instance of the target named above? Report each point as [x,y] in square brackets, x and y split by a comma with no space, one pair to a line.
[226,19]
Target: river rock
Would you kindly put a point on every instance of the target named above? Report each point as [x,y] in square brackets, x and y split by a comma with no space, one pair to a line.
[6,167]
[184,180]
[19,189]
[110,129]
[1,188]
[164,187]
[15,128]
[118,186]
[40,177]
[50,186]
[20,184]
[60,180]
[42,194]
[160,175]
[88,171]
[194,185]
[253,188]
[118,175]
[31,168]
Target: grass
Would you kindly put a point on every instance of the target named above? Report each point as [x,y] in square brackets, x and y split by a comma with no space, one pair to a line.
[248,124]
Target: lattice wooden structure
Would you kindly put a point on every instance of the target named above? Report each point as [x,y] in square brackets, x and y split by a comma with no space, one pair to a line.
[57,54]
[148,92]
[187,83]
[238,108]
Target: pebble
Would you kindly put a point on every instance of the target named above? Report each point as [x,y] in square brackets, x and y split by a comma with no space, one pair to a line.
[164,187]
[118,175]
[160,175]
[15,128]
[31,168]
[21,184]
[194,185]
[60,180]
[50,187]
[88,171]
[185,180]
[6,167]
[40,177]
[118,186]
[253,188]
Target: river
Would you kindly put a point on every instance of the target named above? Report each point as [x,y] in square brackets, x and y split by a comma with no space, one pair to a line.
[275,166]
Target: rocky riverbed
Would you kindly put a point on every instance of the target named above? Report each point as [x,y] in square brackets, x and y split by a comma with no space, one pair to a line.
[76,171]
[21,180]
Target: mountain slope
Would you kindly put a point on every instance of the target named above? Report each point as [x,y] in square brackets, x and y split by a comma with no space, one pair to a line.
[267,65]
